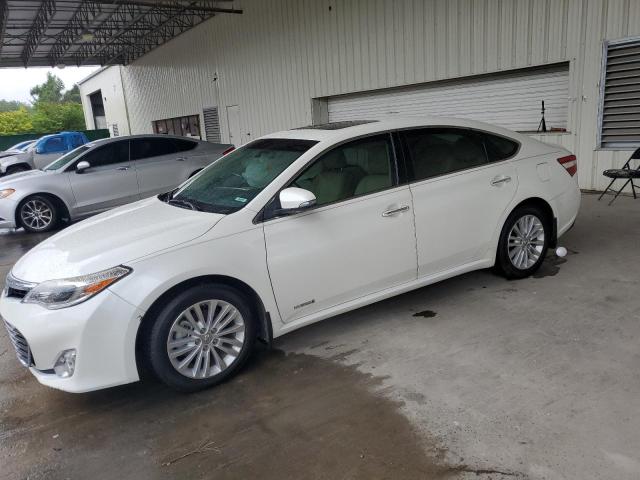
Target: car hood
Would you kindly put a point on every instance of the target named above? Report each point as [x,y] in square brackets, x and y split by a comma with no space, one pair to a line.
[113,238]
[10,153]
[15,179]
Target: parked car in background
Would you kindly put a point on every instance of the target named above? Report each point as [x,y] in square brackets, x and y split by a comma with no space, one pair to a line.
[17,148]
[290,229]
[101,175]
[42,152]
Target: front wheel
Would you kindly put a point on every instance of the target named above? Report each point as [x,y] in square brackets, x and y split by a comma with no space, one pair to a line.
[524,242]
[38,214]
[200,338]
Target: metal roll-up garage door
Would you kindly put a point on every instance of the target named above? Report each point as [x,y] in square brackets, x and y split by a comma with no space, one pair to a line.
[509,100]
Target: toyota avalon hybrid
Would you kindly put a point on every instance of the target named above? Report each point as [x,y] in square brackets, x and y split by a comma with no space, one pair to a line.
[290,229]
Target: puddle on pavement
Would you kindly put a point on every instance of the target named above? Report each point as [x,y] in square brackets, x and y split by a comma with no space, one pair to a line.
[285,416]
[425,314]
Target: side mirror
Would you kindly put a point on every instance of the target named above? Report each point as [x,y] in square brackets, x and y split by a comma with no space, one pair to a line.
[39,150]
[294,200]
[82,166]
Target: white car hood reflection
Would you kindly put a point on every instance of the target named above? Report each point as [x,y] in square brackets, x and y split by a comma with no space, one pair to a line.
[113,238]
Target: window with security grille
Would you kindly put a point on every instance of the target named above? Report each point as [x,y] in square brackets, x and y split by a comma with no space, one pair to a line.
[620,87]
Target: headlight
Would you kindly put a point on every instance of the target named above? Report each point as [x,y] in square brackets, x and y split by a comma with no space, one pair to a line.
[54,294]
[6,192]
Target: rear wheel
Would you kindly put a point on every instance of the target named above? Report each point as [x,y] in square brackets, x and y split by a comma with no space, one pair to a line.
[38,214]
[524,242]
[200,338]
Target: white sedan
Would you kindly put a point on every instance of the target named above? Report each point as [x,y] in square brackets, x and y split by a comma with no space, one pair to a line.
[288,230]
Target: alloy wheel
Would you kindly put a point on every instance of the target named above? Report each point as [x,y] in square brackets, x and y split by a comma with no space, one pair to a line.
[526,242]
[36,214]
[206,339]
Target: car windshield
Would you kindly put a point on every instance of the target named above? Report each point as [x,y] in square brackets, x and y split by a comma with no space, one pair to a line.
[231,182]
[65,159]
[22,146]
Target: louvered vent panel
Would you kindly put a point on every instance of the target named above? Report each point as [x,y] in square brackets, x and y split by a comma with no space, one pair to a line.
[621,107]
[211,124]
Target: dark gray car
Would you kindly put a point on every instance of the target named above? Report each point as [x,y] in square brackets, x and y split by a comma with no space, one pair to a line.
[101,175]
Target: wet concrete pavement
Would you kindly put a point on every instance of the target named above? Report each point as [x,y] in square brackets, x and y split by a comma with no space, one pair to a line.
[475,377]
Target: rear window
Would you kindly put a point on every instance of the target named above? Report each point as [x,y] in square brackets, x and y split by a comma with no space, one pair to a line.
[500,148]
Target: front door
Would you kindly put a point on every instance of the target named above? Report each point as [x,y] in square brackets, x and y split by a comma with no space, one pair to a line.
[109,182]
[359,239]
[233,123]
[50,150]
[459,194]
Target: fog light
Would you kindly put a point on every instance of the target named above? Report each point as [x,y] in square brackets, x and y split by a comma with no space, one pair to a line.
[66,363]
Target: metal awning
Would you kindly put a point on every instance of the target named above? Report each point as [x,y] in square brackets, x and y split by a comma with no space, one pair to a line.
[88,32]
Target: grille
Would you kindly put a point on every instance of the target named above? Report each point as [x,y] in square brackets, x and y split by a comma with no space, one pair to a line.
[20,344]
[16,288]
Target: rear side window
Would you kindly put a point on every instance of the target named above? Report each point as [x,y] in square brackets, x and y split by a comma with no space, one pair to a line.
[151,147]
[54,145]
[109,154]
[439,151]
[76,141]
[500,148]
[184,145]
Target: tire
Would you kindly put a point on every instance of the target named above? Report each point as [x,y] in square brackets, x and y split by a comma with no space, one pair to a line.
[38,214]
[521,256]
[172,324]
[17,169]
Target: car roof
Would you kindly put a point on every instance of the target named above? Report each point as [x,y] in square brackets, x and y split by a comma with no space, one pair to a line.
[347,130]
[103,141]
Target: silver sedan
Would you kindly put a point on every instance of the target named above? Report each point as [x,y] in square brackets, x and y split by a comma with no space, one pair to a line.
[101,175]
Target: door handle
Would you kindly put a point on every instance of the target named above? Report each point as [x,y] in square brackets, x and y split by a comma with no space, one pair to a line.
[393,211]
[180,159]
[122,169]
[497,181]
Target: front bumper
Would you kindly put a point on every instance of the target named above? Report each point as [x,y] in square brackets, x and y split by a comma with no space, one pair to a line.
[102,330]
[8,212]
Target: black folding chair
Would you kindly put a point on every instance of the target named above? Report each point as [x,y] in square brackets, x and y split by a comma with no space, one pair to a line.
[625,173]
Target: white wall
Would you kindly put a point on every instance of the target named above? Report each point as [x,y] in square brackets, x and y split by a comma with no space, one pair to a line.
[109,81]
[278,55]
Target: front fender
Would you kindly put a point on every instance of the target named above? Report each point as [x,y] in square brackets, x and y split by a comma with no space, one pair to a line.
[239,256]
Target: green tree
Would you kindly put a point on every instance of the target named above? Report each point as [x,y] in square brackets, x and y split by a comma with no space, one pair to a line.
[54,117]
[72,95]
[11,105]
[50,91]
[15,122]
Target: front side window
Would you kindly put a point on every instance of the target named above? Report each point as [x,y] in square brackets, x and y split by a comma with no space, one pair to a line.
[54,145]
[66,159]
[109,154]
[356,168]
[151,147]
[234,180]
[439,151]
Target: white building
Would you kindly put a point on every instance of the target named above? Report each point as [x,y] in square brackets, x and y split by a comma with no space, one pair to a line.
[288,63]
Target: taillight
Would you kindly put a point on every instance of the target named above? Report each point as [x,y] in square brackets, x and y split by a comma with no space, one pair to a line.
[228,150]
[570,164]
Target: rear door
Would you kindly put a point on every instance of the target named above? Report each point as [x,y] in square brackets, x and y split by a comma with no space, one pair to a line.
[159,165]
[459,191]
[109,182]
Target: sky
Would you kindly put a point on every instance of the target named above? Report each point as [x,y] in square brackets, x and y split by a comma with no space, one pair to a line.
[15,83]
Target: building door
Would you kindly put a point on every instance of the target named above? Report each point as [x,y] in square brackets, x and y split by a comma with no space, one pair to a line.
[233,123]
[510,100]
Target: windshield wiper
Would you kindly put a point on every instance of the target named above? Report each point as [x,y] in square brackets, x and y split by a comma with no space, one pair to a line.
[182,203]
